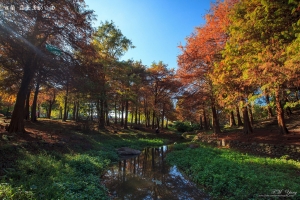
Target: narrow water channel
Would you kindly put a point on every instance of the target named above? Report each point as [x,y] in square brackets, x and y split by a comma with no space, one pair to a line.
[147,177]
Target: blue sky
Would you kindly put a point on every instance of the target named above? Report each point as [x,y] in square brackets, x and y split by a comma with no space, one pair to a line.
[155,27]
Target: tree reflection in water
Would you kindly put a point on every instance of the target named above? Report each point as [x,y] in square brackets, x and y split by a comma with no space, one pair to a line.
[147,176]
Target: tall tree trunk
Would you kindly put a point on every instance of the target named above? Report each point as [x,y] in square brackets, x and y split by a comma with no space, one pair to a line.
[51,102]
[126,114]
[201,123]
[139,122]
[215,120]
[153,119]
[60,112]
[136,115]
[232,120]
[26,116]
[74,110]
[34,103]
[77,111]
[247,125]
[122,112]
[240,123]
[66,102]
[101,124]
[17,119]
[280,114]
[106,112]
[251,114]
[149,118]
[91,112]
[205,120]
[162,117]
[116,119]
[39,110]
[270,113]
[49,110]
[132,116]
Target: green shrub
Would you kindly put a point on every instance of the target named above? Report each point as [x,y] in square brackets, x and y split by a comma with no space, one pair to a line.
[186,127]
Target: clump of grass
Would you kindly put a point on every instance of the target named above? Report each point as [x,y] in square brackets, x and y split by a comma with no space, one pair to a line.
[232,175]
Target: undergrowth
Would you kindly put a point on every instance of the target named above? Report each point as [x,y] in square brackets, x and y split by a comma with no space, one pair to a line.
[55,175]
[231,175]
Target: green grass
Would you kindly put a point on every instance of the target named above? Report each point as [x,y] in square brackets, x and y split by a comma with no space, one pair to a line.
[231,175]
[55,175]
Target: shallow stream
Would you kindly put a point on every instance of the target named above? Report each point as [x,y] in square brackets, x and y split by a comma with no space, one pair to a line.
[147,177]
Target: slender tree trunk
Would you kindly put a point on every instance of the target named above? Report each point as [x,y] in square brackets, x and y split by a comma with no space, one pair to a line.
[280,114]
[149,118]
[60,112]
[136,115]
[145,113]
[74,110]
[205,120]
[232,120]
[77,111]
[162,117]
[51,103]
[215,120]
[122,116]
[126,115]
[240,123]
[270,113]
[139,117]
[157,121]
[66,102]
[251,114]
[201,123]
[101,117]
[106,112]
[116,119]
[49,110]
[39,110]
[91,112]
[68,109]
[153,119]
[26,116]
[34,103]
[132,115]
[247,125]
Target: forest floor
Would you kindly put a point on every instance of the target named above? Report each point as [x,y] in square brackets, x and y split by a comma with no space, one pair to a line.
[266,131]
[67,136]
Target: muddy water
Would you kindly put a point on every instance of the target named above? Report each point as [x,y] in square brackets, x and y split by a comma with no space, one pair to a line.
[147,177]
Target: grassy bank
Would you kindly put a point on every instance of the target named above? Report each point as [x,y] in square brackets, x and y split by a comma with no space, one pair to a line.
[69,172]
[232,175]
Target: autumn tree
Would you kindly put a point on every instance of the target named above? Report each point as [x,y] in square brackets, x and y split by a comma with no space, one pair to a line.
[201,53]
[162,85]
[260,33]
[24,34]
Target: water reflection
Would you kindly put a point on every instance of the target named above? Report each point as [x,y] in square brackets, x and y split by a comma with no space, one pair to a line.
[147,176]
